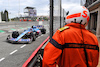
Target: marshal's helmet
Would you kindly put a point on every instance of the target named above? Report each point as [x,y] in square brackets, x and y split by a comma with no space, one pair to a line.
[78,14]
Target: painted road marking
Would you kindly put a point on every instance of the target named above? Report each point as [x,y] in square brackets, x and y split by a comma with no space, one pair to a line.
[38,37]
[13,52]
[10,31]
[42,35]
[20,27]
[13,29]
[1,31]
[28,27]
[47,32]
[2,59]
[23,46]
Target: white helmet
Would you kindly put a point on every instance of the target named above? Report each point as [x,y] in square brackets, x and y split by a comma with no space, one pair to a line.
[78,14]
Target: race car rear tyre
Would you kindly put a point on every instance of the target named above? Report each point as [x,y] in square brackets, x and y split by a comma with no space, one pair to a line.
[43,31]
[15,34]
[8,37]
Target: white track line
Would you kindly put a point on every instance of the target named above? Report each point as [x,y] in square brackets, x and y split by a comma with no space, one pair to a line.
[23,46]
[38,37]
[42,35]
[2,59]
[47,31]
[13,52]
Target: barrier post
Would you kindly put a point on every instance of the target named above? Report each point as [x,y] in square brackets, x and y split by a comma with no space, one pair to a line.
[51,18]
[0,17]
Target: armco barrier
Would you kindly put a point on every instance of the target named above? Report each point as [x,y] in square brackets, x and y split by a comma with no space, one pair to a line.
[30,62]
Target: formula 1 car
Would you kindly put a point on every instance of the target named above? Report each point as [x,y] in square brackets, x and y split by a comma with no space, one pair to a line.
[27,36]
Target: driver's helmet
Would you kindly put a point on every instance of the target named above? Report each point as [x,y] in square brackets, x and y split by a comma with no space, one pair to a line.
[33,27]
[78,14]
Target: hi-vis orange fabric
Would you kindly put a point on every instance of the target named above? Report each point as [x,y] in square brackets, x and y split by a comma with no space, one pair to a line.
[66,48]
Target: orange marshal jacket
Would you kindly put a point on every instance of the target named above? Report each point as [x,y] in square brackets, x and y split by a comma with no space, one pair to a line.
[66,48]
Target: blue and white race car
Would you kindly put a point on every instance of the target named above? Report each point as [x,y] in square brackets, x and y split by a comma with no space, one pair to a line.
[27,36]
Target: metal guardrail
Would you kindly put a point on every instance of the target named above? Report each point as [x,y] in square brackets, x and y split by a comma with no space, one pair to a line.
[35,59]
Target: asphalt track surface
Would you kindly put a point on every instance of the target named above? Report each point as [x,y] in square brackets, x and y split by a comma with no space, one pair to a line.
[14,55]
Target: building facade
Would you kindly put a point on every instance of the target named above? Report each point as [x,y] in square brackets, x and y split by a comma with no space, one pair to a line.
[30,11]
[94,23]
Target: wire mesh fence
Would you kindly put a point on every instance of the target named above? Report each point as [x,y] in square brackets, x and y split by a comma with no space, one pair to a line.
[59,15]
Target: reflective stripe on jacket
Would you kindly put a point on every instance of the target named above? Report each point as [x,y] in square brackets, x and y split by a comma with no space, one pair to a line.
[66,48]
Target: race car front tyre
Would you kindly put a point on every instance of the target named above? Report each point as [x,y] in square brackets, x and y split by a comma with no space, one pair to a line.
[15,34]
[34,37]
[31,40]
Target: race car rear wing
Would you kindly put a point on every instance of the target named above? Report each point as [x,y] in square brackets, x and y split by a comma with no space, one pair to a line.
[36,58]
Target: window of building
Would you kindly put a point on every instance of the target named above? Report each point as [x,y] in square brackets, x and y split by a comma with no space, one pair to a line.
[95,21]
